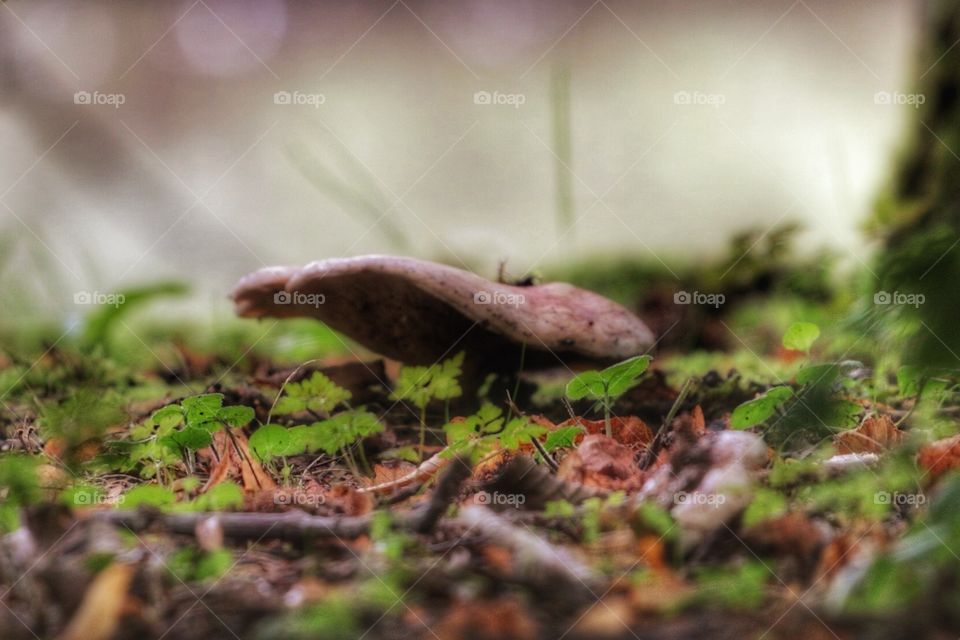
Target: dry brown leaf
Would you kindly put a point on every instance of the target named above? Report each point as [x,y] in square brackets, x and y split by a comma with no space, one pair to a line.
[602,462]
[99,614]
[794,534]
[253,476]
[307,590]
[698,422]
[845,548]
[342,498]
[391,471]
[875,434]
[651,550]
[610,619]
[499,558]
[53,480]
[500,618]
[662,589]
[628,430]
[221,470]
[936,458]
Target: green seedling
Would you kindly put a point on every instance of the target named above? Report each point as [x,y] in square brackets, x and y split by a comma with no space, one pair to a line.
[336,434]
[422,385]
[607,385]
[811,408]
[318,395]
[183,428]
[480,433]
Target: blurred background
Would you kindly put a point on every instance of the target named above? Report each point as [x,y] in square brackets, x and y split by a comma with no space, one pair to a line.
[199,140]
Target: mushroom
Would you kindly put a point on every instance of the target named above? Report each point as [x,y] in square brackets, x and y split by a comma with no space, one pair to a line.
[419,312]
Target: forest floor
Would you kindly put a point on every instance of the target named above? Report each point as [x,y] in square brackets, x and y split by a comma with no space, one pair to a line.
[771,472]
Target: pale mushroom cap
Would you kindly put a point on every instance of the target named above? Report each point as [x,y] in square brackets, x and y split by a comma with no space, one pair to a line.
[416,311]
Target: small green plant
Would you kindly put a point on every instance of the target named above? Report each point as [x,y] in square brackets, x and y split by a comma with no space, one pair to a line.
[809,410]
[422,385]
[19,486]
[800,336]
[740,588]
[607,385]
[761,408]
[148,494]
[336,434]
[189,564]
[84,416]
[480,433]
[176,430]
[912,572]
[318,395]
[766,505]
[562,437]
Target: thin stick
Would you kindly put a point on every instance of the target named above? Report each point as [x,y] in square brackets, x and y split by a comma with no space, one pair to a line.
[516,386]
[661,433]
[536,443]
[283,386]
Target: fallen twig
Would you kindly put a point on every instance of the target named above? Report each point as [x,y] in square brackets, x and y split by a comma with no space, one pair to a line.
[657,443]
[447,491]
[291,525]
[427,469]
[538,486]
[535,561]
